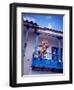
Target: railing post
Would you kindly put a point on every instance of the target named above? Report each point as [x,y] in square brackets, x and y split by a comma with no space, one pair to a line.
[36,41]
[59,49]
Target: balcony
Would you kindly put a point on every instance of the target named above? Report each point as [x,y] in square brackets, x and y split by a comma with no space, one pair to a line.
[46,64]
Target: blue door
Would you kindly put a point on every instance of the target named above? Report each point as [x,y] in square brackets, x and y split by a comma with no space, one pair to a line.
[55,54]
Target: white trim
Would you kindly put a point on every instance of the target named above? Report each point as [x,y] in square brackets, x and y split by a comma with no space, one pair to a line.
[50,32]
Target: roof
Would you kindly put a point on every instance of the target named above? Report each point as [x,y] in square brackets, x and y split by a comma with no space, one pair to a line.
[43,30]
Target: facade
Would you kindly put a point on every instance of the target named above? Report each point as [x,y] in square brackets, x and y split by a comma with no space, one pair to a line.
[42,49]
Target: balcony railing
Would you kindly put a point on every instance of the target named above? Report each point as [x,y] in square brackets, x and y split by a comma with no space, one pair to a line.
[47,56]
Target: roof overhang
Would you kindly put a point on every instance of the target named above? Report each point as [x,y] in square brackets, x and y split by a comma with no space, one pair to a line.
[49,32]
